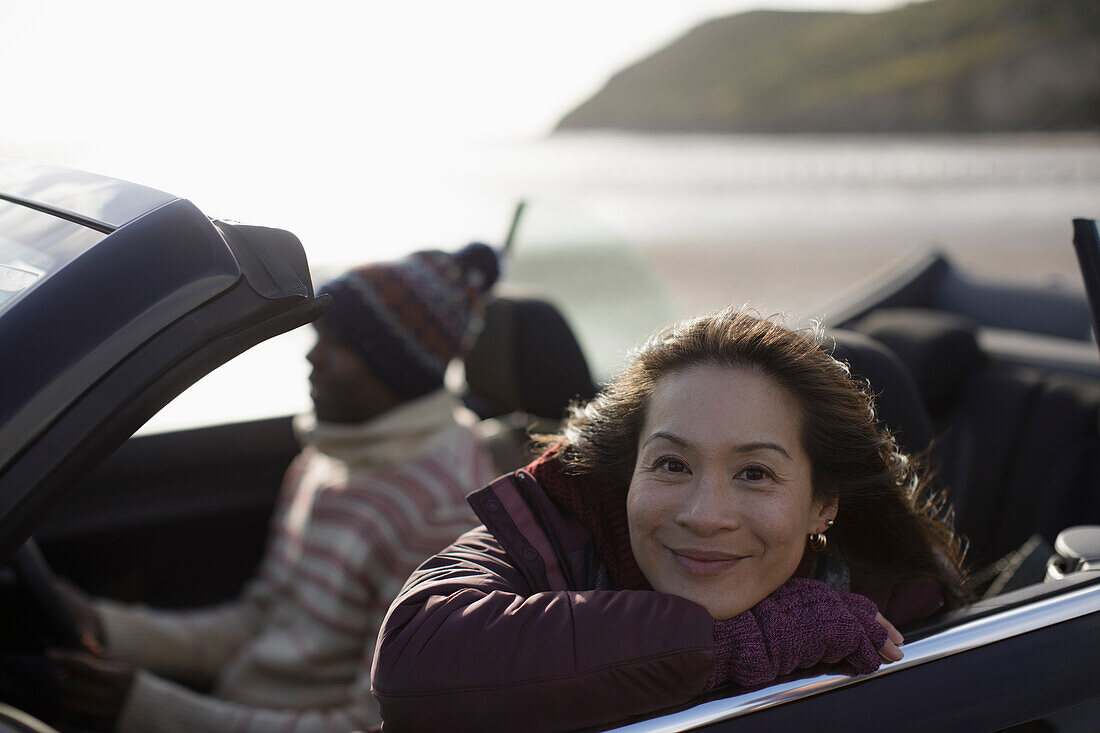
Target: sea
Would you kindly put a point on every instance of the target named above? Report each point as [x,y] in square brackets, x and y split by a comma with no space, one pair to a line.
[628,232]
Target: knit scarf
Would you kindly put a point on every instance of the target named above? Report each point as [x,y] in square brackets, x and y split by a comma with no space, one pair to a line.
[600,505]
[393,438]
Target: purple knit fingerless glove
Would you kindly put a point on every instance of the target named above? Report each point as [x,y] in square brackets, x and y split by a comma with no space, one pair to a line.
[803,623]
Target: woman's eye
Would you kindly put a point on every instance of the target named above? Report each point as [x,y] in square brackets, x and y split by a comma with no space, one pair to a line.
[753,473]
[671,464]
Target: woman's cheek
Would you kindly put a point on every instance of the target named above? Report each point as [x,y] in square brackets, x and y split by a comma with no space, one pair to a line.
[648,507]
[646,502]
[778,521]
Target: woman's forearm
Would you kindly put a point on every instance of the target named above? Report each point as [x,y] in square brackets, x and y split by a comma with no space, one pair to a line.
[466,645]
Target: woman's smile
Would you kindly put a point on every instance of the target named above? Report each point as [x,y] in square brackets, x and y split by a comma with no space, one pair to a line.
[704,562]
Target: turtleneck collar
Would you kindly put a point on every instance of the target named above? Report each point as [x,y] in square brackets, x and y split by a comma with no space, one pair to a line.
[392,438]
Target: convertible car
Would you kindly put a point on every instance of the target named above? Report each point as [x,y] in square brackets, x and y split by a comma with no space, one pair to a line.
[115,297]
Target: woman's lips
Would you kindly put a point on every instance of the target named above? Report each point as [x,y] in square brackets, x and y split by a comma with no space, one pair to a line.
[703,562]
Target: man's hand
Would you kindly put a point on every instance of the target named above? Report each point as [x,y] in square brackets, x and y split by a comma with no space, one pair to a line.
[91,690]
[88,623]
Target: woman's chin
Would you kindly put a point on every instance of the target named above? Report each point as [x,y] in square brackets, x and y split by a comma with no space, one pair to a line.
[725,606]
[721,609]
[727,611]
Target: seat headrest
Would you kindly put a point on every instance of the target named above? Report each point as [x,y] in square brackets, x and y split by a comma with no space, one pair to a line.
[940,349]
[526,359]
[898,403]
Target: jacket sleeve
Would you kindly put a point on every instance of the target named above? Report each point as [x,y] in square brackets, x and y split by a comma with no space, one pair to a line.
[185,645]
[467,645]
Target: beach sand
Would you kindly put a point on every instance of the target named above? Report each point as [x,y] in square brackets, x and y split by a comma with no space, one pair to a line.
[803,276]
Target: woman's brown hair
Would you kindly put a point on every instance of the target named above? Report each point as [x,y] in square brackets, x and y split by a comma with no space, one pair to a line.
[889,524]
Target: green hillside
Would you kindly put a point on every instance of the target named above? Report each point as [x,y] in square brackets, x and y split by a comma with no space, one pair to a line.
[944,65]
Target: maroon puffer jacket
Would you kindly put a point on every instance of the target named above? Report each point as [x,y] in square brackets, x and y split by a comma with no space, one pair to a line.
[549,656]
[505,629]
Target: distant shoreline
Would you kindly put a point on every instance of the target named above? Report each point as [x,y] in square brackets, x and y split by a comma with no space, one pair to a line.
[1070,137]
[941,66]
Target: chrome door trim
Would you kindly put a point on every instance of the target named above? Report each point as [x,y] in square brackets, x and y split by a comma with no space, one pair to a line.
[979,632]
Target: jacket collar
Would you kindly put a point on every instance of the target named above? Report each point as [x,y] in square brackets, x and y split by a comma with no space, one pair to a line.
[550,547]
[559,528]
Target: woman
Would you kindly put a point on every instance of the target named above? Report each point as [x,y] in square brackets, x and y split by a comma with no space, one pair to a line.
[702,521]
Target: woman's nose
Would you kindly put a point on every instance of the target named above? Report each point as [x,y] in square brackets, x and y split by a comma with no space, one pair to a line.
[710,507]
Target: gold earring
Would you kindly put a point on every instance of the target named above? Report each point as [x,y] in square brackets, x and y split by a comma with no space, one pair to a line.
[818,541]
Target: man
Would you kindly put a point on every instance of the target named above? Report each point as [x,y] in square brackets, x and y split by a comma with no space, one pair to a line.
[379,486]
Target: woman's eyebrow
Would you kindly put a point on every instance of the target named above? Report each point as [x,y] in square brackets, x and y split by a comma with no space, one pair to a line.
[741,448]
[670,437]
[761,445]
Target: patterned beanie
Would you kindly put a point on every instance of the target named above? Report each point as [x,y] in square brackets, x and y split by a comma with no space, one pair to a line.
[407,319]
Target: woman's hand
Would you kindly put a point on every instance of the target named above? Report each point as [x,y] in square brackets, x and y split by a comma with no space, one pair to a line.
[890,651]
[802,624]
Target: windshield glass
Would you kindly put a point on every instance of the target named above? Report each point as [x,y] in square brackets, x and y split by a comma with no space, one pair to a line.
[33,245]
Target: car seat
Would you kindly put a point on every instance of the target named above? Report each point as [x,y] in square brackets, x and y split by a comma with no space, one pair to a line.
[898,403]
[1017,446]
[522,373]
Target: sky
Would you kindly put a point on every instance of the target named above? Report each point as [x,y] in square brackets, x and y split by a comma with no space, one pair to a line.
[255,72]
[316,116]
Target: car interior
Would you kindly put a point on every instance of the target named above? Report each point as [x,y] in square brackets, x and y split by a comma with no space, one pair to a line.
[1015,445]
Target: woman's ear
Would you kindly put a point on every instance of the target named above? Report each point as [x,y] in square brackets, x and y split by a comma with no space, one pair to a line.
[825,514]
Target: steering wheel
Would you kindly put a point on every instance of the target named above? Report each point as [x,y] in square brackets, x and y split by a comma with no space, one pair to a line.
[14,720]
[34,573]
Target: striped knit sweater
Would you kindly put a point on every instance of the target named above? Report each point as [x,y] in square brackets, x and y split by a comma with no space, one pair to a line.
[361,508]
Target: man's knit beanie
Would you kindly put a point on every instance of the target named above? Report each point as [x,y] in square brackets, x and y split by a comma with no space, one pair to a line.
[407,319]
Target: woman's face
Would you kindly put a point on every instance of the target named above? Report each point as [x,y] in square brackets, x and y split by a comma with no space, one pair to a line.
[721,501]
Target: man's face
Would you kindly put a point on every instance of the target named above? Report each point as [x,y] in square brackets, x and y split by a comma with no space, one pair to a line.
[344,388]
